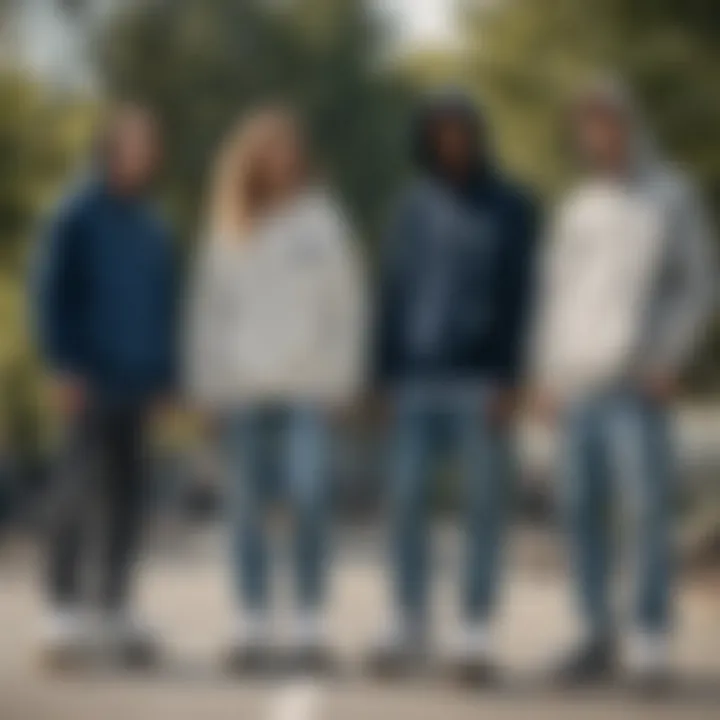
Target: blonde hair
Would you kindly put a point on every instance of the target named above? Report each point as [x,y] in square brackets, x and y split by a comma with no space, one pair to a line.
[238,197]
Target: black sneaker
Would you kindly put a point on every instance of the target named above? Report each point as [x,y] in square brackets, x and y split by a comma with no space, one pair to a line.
[130,644]
[313,660]
[475,672]
[649,670]
[138,654]
[656,684]
[395,657]
[250,659]
[593,662]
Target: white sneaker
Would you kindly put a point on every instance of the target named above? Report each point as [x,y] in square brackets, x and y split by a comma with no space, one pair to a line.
[649,656]
[250,648]
[252,630]
[472,644]
[308,632]
[65,635]
[125,635]
[309,650]
[401,647]
[471,656]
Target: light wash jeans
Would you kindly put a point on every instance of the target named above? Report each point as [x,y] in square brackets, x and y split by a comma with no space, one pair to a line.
[425,425]
[272,450]
[619,443]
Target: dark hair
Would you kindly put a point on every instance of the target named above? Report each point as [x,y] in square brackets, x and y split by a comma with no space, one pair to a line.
[448,105]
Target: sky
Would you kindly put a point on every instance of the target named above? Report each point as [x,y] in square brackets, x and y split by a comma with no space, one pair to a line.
[55,48]
[422,21]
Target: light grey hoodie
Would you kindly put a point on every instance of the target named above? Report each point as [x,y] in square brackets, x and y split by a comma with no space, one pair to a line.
[279,315]
[629,274]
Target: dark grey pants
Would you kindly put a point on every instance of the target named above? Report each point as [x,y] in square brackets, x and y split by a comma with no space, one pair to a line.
[96,507]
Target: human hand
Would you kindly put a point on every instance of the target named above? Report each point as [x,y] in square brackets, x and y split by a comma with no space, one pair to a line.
[503,406]
[69,395]
[545,407]
[660,386]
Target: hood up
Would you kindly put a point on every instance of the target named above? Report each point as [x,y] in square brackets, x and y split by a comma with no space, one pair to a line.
[612,95]
[446,104]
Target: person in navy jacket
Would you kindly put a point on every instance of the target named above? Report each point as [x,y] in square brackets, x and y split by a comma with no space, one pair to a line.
[104,296]
[452,315]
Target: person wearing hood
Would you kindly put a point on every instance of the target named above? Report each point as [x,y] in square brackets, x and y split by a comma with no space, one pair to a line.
[104,297]
[627,289]
[451,325]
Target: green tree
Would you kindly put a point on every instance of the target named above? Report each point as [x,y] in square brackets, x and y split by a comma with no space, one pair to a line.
[206,63]
[40,139]
[525,55]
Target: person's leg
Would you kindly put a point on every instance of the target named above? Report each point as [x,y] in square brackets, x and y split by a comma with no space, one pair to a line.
[68,510]
[587,490]
[307,472]
[485,466]
[246,440]
[124,491]
[485,463]
[411,452]
[411,457]
[307,480]
[643,461]
[121,436]
[70,498]
[588,494]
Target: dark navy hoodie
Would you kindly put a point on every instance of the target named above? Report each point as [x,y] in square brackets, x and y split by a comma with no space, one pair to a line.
[105,295]
[457,271]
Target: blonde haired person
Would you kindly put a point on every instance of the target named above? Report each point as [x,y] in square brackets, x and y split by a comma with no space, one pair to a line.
[275,346]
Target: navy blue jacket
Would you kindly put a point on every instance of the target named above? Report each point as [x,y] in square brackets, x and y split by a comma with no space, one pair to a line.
[457,276]
[458,267]
[105,295]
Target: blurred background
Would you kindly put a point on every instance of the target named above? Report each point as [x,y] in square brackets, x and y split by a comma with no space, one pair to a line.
[356,70]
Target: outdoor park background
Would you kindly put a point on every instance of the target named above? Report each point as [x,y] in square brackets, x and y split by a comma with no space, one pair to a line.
[356,70]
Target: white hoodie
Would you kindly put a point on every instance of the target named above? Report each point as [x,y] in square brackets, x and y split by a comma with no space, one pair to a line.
[628,282]
[279,315]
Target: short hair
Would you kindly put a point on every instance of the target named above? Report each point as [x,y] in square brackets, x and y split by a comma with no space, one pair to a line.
[113,120]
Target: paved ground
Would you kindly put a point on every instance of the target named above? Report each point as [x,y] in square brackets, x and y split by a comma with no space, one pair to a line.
[186,597]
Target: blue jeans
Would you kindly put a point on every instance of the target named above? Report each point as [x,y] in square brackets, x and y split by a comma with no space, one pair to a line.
[278,449]
[619,443]
[424,426]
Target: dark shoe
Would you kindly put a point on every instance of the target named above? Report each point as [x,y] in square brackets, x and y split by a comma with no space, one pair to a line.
[67,641]
[130,643]
[395,658]
[138,654]
[470,657]
[249,660]
[655,685]
[313,660]
[480,672]
[649,669]
[593,662]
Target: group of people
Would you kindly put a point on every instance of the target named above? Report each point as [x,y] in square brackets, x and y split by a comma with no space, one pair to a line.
[283,330]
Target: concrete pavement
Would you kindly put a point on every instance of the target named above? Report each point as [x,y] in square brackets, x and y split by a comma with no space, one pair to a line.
[186,596]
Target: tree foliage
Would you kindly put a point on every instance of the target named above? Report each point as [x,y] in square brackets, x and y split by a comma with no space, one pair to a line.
[40,140]
[524,56]
[203,64]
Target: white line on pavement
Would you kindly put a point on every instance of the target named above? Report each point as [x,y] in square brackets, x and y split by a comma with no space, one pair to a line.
[298,700]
